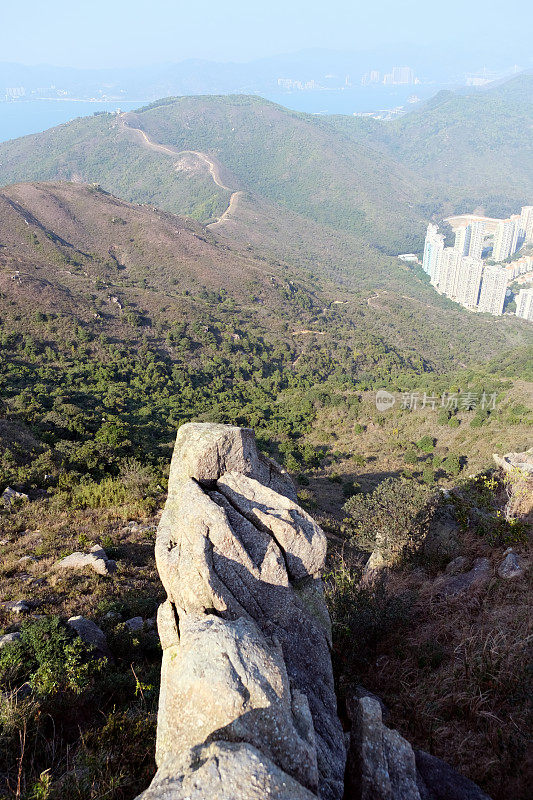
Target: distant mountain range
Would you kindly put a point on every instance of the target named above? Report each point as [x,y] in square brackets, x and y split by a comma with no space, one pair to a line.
[195,76]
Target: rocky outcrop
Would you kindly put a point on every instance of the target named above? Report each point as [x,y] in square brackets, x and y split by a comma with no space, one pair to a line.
[520,464]
[382,765]
[247,706]
[518,471]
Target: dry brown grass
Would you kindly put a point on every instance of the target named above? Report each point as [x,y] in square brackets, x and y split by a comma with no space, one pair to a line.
[37,531]
[456,676]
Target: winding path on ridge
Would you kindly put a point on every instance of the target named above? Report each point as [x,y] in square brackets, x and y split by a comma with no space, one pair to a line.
[214,169]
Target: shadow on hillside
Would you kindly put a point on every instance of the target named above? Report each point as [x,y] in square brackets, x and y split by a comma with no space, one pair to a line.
[138,555]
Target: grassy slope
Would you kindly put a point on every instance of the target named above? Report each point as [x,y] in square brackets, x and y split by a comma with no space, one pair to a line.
[97,150]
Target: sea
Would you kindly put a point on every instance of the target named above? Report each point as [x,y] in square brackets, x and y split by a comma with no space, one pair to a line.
[22,117]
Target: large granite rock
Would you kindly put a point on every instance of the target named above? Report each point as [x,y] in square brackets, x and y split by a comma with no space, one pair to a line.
[247,706]
[382,765]
[223,771]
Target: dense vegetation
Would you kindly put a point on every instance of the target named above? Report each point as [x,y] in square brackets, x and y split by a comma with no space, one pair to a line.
[120,352]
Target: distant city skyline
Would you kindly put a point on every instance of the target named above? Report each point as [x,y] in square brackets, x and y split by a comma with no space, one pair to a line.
[100,34]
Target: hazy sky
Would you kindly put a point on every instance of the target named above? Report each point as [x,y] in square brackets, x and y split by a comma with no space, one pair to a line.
[102,33]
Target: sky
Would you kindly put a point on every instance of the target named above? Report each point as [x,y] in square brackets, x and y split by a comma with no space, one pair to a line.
[111,33]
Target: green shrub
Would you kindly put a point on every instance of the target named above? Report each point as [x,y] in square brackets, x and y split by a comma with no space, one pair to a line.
[394,516]
[452,465]
[428,475]
[50,656]
[426,444]
[410,457]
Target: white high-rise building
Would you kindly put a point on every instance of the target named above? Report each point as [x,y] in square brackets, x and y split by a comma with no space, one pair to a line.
[504,239]
[448,272]
[469,239]
[526,225]
[524,304]
[468,281]
[433,248]
[493,289]
[477,239]
[462,240]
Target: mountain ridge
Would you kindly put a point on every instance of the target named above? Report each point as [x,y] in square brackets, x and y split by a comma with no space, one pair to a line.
[378,182]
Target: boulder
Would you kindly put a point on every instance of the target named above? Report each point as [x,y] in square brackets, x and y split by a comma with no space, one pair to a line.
[91,634]
[511,566]
[26,560]
[437,780]
[245,630]
[18,606]
[373,567]
[95,559]
[9,638]
[135,624]
[475,579]
[10,496]
[443,540]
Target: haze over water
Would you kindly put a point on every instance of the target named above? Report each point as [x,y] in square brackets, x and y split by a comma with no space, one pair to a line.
[23,117]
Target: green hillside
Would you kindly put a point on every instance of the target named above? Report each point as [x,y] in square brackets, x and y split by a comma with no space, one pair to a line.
[377,182]
[478,143]
[117,312]
[473,149]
